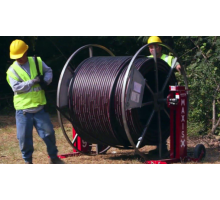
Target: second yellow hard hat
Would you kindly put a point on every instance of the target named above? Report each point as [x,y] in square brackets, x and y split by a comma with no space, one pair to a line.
[17,49]
[153,39]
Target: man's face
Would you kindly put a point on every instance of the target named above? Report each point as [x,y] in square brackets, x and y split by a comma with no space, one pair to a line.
[23,59]
[157,48]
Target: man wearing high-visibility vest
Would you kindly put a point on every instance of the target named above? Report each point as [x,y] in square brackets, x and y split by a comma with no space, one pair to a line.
[159,53]
[168,59]
[29,101]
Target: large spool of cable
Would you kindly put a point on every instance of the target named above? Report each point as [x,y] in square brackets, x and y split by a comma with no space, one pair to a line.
[95,101]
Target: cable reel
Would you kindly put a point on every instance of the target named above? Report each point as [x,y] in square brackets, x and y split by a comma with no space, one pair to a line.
[117,101]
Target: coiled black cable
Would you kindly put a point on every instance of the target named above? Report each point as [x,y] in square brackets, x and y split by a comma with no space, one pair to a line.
[95,101]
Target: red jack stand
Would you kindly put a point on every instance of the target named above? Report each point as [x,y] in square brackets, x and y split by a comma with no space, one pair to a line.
[177,102]
[84,147]
[80,144]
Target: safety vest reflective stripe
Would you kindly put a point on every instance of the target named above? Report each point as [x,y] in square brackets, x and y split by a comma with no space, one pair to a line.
[35,96]
[36,89]
[13,74]
[166,58]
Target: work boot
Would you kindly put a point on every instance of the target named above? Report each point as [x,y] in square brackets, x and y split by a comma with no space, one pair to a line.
[27,162]
[56,161]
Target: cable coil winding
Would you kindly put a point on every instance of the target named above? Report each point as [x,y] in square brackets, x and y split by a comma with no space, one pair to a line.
[95,101]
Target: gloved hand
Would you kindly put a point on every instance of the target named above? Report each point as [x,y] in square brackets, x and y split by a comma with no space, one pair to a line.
[36,80]
[41,77]
[42,83]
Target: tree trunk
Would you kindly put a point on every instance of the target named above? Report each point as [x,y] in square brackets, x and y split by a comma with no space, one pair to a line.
[213,113]
[214,124]
[214,127]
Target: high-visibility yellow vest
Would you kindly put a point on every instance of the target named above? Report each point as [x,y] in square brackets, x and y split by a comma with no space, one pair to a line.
[35,96]
[166,58]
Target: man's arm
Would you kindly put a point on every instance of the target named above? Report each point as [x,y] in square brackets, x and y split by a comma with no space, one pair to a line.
[24,86]
[178,68]
[48,73]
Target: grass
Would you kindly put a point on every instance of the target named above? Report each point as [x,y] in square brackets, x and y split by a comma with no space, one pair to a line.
[10,152]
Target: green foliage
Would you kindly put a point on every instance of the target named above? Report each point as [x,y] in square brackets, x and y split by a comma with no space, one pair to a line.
[203,77]
[196,128]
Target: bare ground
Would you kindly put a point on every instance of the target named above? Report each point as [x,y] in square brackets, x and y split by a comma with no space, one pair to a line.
[10,153]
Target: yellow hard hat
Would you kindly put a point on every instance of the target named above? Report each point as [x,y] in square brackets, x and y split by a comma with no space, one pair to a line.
[154,39]
[17,49]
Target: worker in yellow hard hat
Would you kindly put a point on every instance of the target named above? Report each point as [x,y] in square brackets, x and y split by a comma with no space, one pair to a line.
[159,54]
[168,59]
[25,79]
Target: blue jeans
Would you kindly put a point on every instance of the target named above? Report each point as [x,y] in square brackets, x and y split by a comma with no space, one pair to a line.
[41,121]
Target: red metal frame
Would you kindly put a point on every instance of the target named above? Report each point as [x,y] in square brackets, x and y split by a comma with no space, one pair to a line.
[82,146]
[177,102]
[178,121]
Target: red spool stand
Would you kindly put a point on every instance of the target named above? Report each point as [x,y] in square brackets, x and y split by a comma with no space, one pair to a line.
[177,102]
[85,147]
[80,144]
